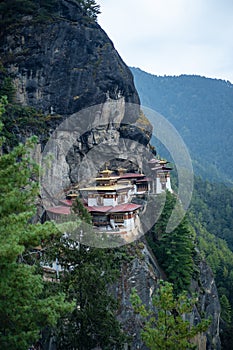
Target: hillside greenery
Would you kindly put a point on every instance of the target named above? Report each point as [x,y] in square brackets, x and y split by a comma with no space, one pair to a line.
[211,216]
[33,309]
[208,226]
[12,11]
[87,274]
[24,307]
[167,329]
[212,206]
[20,122]
[175,249]
[201,109]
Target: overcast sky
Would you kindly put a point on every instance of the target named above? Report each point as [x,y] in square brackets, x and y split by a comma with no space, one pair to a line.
[172,37]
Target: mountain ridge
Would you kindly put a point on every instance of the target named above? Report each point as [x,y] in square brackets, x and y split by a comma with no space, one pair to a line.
[201,109]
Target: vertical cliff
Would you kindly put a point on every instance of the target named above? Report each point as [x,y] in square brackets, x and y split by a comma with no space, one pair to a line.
[64,63]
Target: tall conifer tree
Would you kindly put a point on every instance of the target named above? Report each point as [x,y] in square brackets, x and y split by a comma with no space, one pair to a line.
[24,310]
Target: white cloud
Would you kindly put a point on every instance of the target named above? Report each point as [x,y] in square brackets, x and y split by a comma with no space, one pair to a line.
[172,36]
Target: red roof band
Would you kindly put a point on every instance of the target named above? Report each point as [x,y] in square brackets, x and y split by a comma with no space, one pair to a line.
[131,176]
[122,208]
[61,210]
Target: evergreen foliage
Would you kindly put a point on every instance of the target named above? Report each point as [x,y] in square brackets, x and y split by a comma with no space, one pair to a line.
[86,277]
[24,310]
[174,250]
[12,11]
[166,328]
[226,312]
[87,274]
[90,8]
[81,211]
[27,304]
[6,87]
[220,259]
[212,206]
[201,109]
[20,122]
[211,216]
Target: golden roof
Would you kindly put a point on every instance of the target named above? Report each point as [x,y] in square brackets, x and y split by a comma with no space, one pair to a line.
[106,188]
[106,171]
[72,195]
[108,178]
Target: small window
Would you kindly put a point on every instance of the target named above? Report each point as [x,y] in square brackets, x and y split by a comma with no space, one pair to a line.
[119,218]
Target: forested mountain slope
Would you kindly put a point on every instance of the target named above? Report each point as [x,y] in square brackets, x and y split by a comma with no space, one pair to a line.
[201,109]
[211,214]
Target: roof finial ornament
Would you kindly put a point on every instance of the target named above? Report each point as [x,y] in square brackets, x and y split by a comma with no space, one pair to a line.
[108,96]
[107,165]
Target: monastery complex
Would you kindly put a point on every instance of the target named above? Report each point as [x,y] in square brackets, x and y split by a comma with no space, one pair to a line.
[114,199]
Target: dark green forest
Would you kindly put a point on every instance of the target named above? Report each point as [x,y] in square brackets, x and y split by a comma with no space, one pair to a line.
[210,215]
[12,11]
[201,109]
[203,227]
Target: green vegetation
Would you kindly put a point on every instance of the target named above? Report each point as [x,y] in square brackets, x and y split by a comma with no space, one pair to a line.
[90,8]
[24,309]
[211,216]
[210,222]
[20,122]
[78,310]
[12,11]
[174,250]
[87,274]
[212,206]
[167,329]
[6,86]
[201,109]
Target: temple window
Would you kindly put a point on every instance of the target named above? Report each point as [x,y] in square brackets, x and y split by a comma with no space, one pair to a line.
[119,218]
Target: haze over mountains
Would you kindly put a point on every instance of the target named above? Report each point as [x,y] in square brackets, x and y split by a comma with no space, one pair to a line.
[201,109]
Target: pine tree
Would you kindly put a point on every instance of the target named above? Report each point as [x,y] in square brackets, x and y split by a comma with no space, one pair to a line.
[86,277]
[226,312]
[24,311]
[167,329]
[174,250]
[90,7]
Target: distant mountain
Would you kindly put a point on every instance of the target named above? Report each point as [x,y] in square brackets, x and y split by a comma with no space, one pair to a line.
[201,109]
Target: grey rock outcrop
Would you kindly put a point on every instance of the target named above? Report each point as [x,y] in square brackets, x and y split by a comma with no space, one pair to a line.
[143,273]
[209,304]
[65,64]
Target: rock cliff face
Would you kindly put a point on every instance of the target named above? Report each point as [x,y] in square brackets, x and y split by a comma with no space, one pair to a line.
[143,273]
[61,67]
[65,64]
[209,303]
